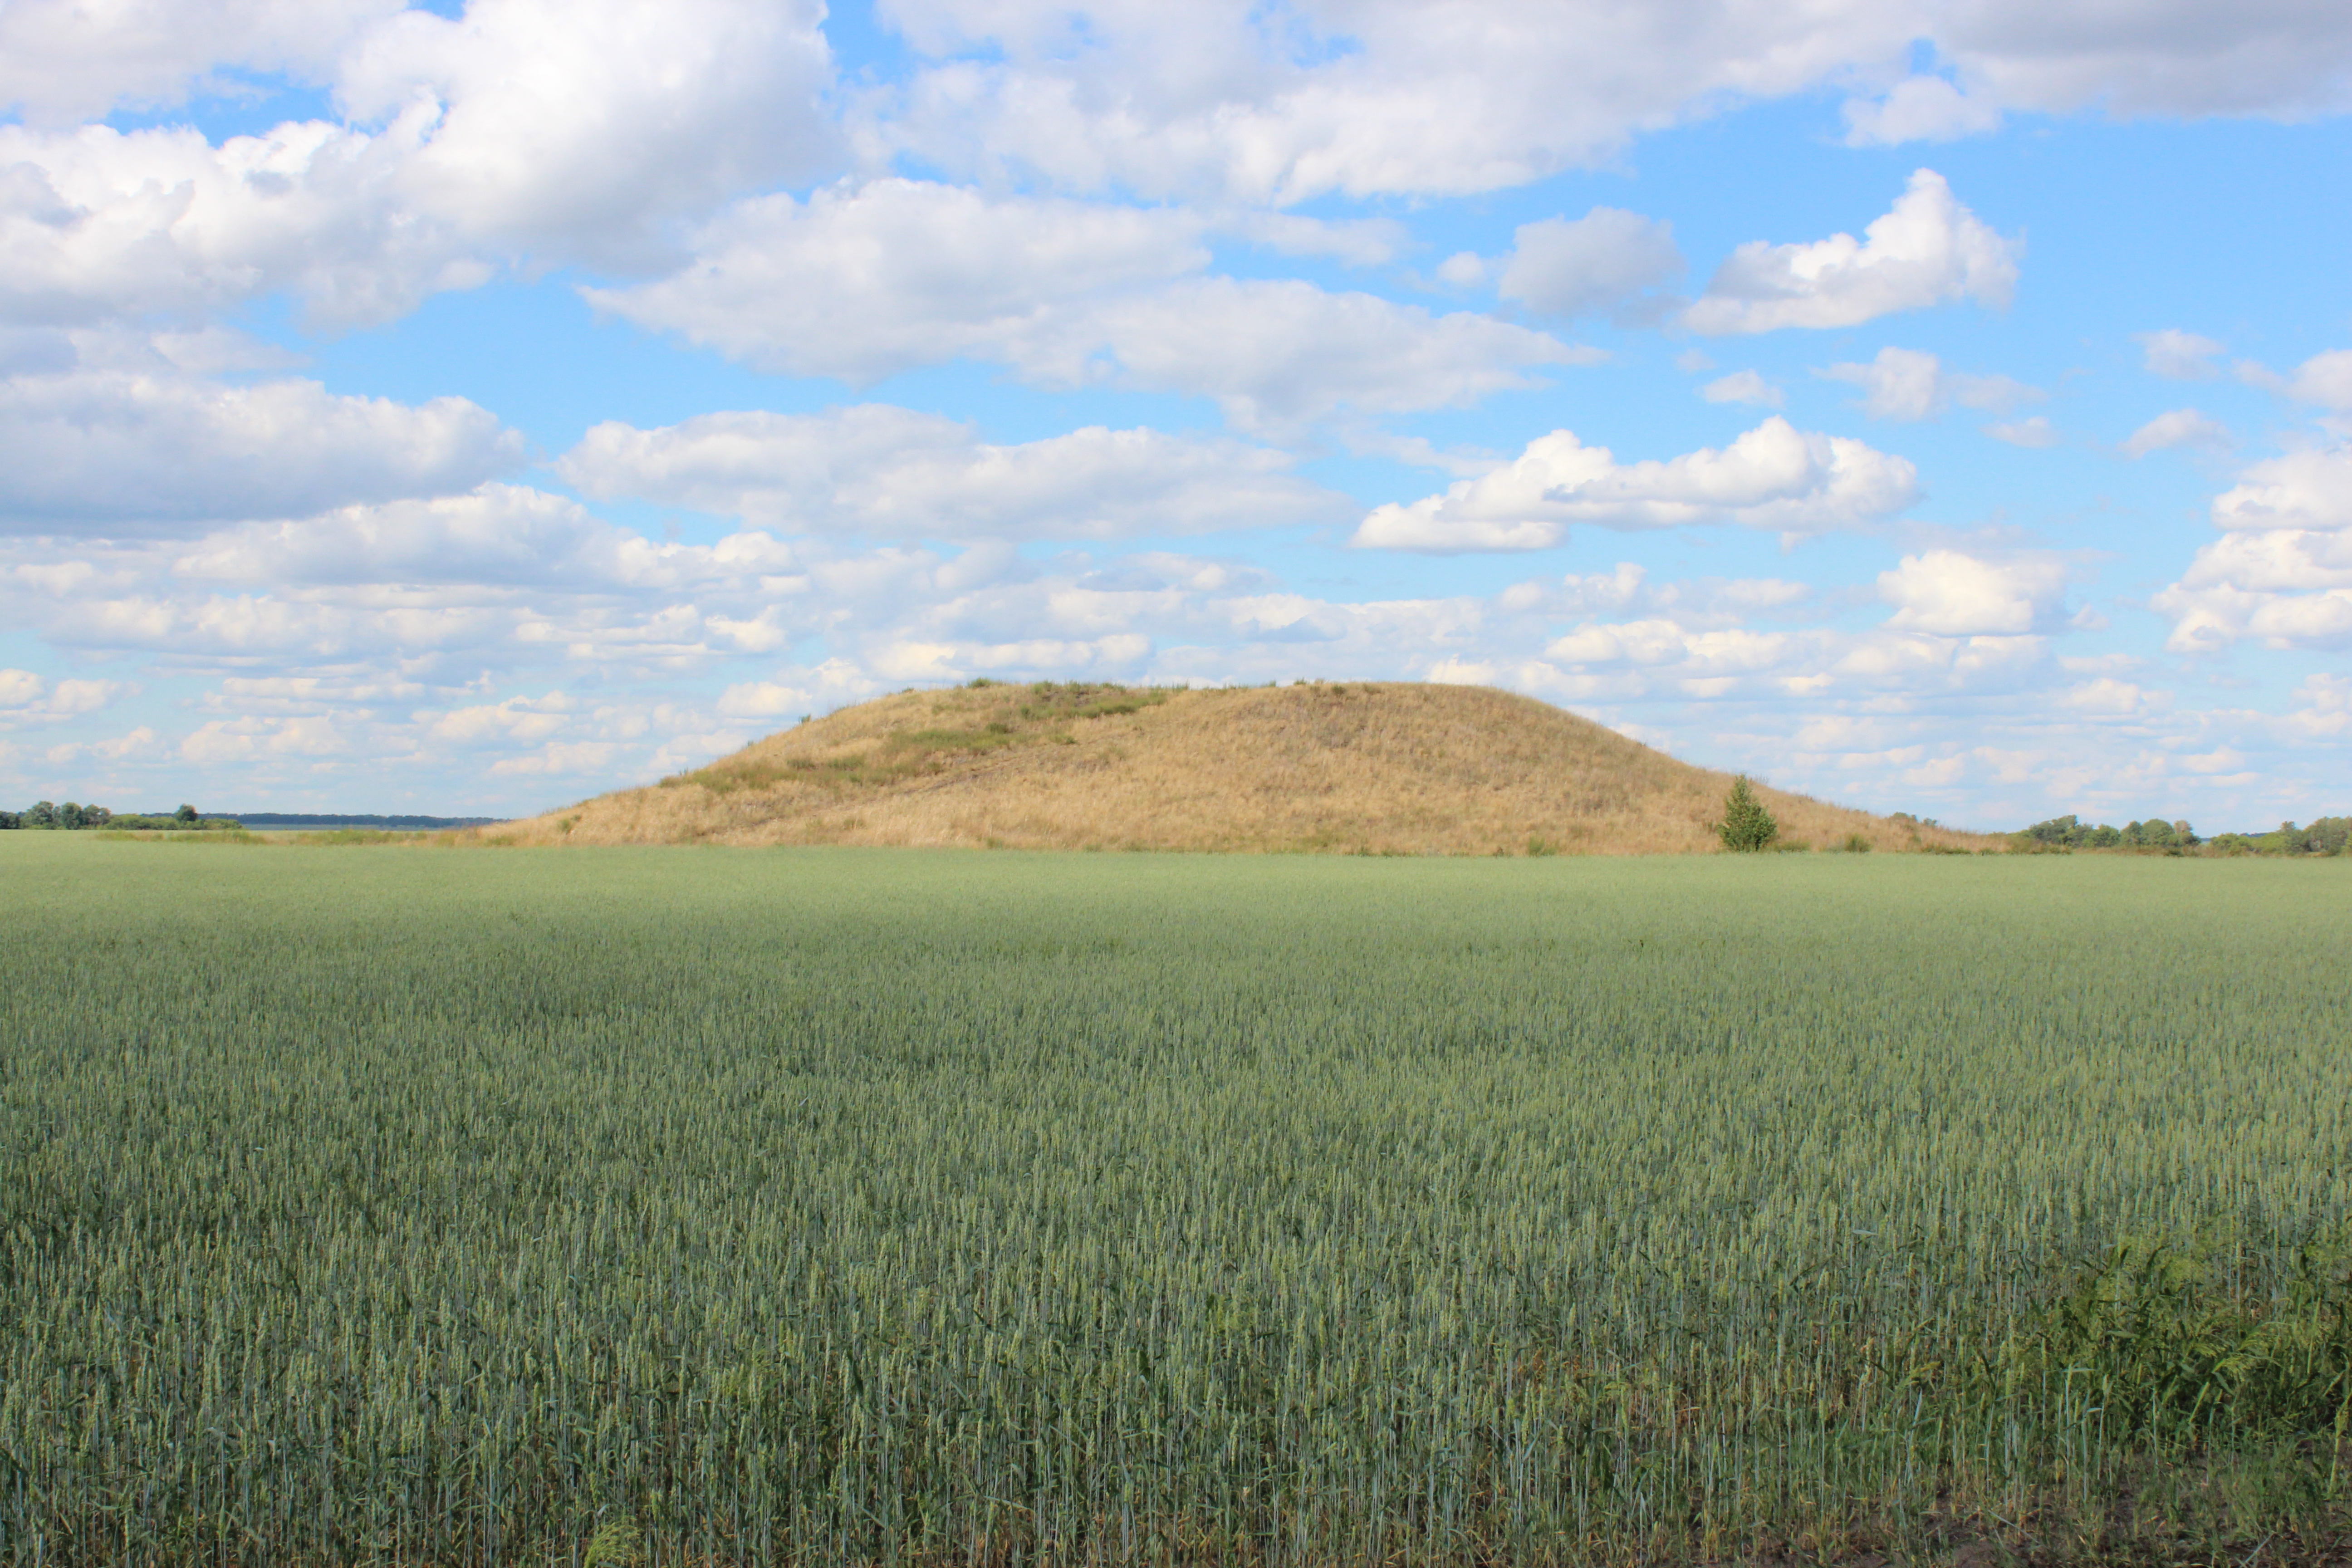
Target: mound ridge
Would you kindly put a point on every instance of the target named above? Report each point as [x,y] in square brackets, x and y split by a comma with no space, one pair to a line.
[1374,767]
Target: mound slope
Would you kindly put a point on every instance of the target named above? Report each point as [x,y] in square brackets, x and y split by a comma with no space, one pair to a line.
[1379,767]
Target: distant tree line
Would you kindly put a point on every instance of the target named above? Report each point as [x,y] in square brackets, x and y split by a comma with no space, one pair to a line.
[2325,837]
[2072,833]
[2328,836]
[72,815]
[47,813]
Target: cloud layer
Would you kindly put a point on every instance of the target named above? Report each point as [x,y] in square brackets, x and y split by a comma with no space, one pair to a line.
[526,130]
[2280,574]
[860,282]
[1775,478]
[892,473]
[1927,250]
[242,528]
[114,454]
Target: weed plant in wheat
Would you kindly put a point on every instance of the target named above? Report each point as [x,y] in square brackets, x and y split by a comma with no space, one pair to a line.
[409,1205]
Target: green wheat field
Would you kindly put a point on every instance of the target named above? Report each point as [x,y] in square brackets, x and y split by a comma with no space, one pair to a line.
[403,1206]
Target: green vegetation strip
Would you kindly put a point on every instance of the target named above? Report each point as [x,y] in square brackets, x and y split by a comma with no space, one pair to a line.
[840,1207]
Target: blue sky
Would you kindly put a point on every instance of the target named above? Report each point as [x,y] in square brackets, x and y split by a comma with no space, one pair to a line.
[468,408]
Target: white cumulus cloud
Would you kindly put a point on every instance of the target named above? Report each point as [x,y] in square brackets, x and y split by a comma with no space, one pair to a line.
[1918,109]
[526,129]
[516,719]
[1775,477]
[1912,384]
[1927,250]
[500,534]
[30,699]
[1225,97]
[2287,60]
[2308,490]
[1276,354]
[570,126]
[893,473]
[1599,262]
[72,59]
[861,282]
[2033,434]
[2177,428]
[1949,594]
[2282,571]
[97,224]
[2325,380]
[828,686]
[2177,356]
[1743,386]
[121,455]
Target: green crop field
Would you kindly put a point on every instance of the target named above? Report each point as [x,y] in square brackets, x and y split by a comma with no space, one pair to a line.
[407,1205]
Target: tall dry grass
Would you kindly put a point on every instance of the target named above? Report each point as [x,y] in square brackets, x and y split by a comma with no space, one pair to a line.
[1342,767]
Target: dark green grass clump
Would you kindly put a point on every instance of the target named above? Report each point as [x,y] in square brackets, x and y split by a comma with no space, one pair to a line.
[828,1205]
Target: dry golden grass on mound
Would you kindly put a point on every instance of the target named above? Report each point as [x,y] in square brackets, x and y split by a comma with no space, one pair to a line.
[1367,767]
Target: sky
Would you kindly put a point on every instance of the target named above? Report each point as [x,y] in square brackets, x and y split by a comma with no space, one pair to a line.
[1939,406]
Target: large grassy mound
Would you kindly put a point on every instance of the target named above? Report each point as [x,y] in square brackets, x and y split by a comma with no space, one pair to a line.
[1375,767]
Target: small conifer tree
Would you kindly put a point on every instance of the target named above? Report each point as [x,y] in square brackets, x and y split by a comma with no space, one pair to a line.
[1746,827]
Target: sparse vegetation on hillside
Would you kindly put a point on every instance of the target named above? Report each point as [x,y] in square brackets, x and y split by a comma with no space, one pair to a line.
[1341,768]
[1011,718]
[640,1206]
